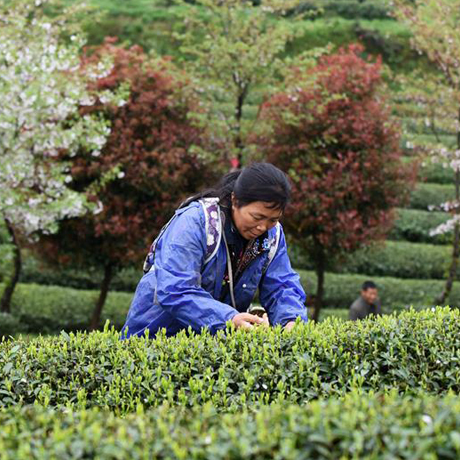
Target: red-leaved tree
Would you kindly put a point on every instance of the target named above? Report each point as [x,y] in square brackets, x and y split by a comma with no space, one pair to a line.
[150,144]
[334,135]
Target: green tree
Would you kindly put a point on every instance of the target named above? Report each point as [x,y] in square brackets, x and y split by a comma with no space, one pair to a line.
[235,52]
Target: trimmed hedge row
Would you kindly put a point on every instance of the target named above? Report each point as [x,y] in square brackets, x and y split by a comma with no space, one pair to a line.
[359,426]
[416,351]
[436,173]
[426,195]
[428,171]
[414,226]
[34,272]
[9,325]
[49,309]
[395,258]
[350,9]
[402,260]
[396,294]
[386,37]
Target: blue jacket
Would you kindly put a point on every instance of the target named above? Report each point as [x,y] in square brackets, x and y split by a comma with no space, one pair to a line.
[181,291]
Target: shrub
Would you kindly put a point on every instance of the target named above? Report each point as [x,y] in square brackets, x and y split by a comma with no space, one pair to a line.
[415,225]
[401,260]
[34,271]
[386,38]
[409,353]
[426,195]
[341,290]
[6,261]
[358,426]
[436,173]
[49,309]
[9,325]
[341,314]
[395,258]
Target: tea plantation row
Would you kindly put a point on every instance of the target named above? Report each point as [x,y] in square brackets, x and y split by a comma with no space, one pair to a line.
[416,351]
[49,309]
[359,426]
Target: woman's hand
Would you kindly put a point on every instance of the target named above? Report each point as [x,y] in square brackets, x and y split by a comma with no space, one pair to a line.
[247,321]
[289,326]
[266,322]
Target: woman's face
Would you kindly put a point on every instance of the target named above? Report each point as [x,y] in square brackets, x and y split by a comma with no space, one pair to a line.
[255,218]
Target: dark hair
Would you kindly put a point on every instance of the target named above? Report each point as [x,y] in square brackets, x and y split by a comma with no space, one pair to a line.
[368,285]
[257,182]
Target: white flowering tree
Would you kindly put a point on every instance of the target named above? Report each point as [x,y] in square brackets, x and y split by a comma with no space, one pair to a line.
[41,91]
[434,24]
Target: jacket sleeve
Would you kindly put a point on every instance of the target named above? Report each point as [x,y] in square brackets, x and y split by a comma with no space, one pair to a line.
[281,293]
[178,261]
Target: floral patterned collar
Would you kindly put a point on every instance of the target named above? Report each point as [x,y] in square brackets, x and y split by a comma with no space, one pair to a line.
[243,252]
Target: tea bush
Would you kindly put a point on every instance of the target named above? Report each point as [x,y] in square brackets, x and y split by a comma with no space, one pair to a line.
[414,225]
[50,309]
[9,325]
[395,293]
[34,271]
[436,173]
[358,426]
[415,351]
[399,259]
[426,195]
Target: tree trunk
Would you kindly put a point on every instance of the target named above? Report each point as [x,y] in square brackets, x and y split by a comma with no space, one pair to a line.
[456,249]
[320,270]
[102,297]
[240,101]
[5,302]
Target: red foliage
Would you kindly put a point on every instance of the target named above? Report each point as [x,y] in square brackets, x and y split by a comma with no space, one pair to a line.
[150,141]
[334,134]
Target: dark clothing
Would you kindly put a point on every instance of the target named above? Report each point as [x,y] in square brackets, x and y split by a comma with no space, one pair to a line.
[360,309]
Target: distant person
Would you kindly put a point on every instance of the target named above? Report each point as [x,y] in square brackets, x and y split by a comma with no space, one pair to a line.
[367,303]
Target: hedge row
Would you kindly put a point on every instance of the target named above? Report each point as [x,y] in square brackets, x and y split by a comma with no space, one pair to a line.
[49,309]
[428,171]
[411,352]
[350,9]
[33,271]
[398,259]
[342,290]
[10,325]
[402,260]
[414,225]
[384,37]
[436,173]
[426,195]
[359,426]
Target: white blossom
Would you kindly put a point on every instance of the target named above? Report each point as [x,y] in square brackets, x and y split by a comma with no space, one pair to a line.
[40,91]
